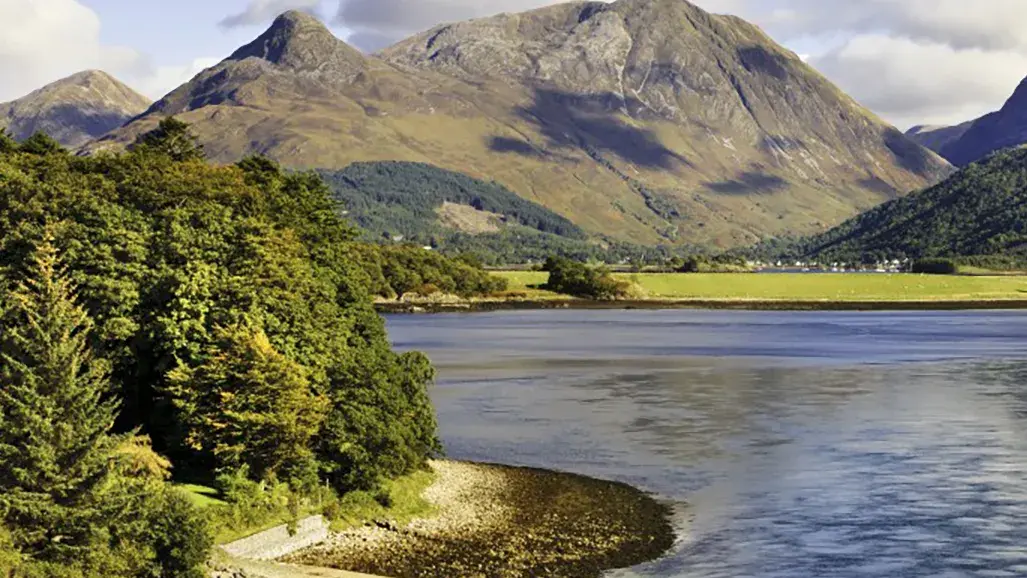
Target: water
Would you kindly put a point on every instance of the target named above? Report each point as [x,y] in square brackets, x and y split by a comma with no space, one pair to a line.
[792,444]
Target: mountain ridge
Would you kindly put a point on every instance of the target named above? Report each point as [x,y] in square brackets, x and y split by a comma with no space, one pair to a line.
[1004,128]
[74,109]
[657,121]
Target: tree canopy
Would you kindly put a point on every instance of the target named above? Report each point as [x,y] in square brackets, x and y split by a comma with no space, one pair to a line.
[224,311]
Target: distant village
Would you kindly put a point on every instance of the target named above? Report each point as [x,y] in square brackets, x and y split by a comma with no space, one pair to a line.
[887,266]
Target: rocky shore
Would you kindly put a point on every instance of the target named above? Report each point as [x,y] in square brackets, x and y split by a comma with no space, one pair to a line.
[501,521]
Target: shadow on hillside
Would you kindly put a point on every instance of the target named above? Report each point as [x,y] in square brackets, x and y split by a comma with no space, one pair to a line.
[877,185]
[508,145]
[93,124]
[908,154]
[590,123]
[748,183]
[757,59]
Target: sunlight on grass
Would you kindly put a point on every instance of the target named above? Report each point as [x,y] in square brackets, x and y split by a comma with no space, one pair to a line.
[809,287]
[400,500]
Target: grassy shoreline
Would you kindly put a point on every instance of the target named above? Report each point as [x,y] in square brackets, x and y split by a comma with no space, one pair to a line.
[747,291]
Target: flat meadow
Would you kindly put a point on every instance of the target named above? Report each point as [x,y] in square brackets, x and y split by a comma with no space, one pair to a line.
[803,286]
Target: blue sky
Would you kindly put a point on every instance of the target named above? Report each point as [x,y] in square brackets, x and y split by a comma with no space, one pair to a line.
[911,61]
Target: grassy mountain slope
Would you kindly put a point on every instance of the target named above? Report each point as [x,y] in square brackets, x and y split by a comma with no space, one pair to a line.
[982,210]
[647,121]
[73,110]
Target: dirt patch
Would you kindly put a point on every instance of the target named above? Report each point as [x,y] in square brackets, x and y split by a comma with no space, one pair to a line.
[467,219]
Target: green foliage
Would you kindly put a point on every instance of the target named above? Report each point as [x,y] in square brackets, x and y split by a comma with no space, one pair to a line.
[247,404]
[401,198]
[396,270]
[935,266]
[581,280]
[41,144]
[981,210]
[173,138]
[389,200]
[56,413]
[76,500]
[706,264]
[181,536]
[167,252]
[7,143]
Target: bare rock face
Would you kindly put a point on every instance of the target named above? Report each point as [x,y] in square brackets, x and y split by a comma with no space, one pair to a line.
[73,110]
[645,120]
[1005,128]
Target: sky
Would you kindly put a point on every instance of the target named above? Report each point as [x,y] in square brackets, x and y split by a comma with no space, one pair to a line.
[910,61]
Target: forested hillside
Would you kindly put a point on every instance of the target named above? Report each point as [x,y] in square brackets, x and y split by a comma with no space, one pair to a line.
[980,211]
[223,311]
[457,214]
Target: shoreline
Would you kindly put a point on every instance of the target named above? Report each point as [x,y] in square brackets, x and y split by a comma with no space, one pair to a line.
[485,305]
[513,521]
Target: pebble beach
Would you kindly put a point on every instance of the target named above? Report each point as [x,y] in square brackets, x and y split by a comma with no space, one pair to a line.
[501,521]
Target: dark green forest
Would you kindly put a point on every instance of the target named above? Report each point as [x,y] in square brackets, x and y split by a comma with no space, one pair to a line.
[400,199]
[164,316]
[979,215]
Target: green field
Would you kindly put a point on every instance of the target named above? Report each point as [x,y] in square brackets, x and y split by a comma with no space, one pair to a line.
[804,287]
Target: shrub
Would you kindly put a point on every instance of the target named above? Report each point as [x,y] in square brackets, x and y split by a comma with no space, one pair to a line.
[181,536]
[581,280]
[935,267]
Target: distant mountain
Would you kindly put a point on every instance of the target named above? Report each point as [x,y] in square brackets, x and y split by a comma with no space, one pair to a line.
[73,110]
[981,210]
[1002,129]
[650,121]
[937,137]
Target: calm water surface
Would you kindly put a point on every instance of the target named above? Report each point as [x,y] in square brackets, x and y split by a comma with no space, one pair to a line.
[792,444]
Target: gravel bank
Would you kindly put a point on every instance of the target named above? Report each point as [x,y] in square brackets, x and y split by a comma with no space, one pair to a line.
[500,521]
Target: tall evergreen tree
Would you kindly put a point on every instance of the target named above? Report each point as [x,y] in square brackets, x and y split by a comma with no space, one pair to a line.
[7,142]
[172,137]
[56,416]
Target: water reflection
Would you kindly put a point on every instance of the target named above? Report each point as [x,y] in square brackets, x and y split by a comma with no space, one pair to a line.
[810,444]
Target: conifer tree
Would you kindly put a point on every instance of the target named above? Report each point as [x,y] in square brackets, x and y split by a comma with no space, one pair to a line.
[172,137]
[7,142]
[56,415]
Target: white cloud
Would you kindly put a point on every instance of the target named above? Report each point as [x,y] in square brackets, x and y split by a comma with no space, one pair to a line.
[918,82]
[45,40]
[163,79]
[262,11]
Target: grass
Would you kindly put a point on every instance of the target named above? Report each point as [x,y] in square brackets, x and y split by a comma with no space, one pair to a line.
[201,496]
[400,500]
[809,287]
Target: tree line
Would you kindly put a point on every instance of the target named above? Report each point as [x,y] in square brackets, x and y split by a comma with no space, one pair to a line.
[162,315]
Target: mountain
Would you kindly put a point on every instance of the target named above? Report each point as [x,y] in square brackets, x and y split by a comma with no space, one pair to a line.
[73,110]
[998,130]
[937,137]
[650,121]
[981,210]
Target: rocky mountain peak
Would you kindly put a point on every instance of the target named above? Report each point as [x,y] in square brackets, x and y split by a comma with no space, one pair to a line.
[302,43]
[74,109]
